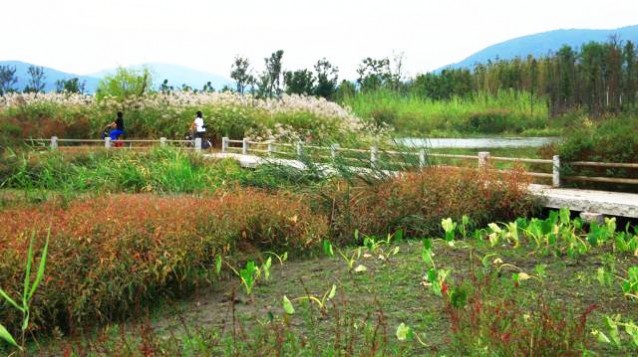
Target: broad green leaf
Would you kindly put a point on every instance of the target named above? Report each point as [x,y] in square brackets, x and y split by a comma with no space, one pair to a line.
[27,274]
[218,264]
[327,248]
[288,308]
[41,267]
[522,276]
[10,300]
[426,255]
[404,332]
[25,321]
[5,335]
[601,337]
[494,227]
[448,225]
[565,216]
[333,291]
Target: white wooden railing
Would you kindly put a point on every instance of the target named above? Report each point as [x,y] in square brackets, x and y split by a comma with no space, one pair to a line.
[483,159]
[245,146]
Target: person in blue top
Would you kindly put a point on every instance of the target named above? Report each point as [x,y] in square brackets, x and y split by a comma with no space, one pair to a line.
[117,127]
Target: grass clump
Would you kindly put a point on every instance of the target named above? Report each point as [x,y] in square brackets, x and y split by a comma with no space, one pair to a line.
[416,202]
[112,254]
[162,170]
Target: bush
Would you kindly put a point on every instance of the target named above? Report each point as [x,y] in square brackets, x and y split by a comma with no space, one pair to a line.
[110,255]
[489,323]
[611,140]
[416,202]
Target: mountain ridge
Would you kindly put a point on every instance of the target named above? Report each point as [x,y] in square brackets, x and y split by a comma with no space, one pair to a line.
[176,75]
[544,43]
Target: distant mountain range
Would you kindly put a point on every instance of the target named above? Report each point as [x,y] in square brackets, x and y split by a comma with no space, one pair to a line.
[51,76]
[176,76]
[544,43]
[537,45]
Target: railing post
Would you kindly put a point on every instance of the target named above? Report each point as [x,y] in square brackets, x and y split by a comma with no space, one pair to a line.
[162,141]
[299,149]
[483,158]
[198,145]
[54,143]
[374,155]
[224,144]
[422,158]
[244,146]
[333,150]
[555,171]
[271,148]
[107,142]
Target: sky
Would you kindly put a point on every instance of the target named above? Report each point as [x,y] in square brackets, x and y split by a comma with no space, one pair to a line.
[87,36]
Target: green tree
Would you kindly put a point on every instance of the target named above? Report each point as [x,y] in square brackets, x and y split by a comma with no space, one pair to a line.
[124,84]
[72,85]
[208,88]
[327,78]
[8,79]
[273,70]
[299,82]
[630,82]
[165,88]
[37,80]
[373,73]
[240,72]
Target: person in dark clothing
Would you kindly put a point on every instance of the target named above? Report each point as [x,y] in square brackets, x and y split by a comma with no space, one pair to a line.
[116,127]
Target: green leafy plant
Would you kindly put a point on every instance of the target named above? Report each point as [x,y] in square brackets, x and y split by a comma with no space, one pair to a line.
[613,336]
[630,284]
[28,291]
[321,302]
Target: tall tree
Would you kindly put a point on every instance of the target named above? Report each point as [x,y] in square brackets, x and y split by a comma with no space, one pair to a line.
[208,88]
[630,80]
[273,69]
[240,72]
[327,78]
[72,85]
[373,73]
[299,82]
[8,79]
[36,79]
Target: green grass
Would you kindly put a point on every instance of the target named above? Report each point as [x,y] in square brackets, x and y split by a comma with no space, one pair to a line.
[159,170]
[506,113]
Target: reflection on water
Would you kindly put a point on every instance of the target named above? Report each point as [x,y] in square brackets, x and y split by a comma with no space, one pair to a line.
[471,143]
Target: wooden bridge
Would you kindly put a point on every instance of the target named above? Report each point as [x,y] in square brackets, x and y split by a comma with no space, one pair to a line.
[251,154]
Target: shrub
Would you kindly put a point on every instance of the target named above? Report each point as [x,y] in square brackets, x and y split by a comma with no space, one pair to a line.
[110,255]
[416,202]
[487,321]
[611,140]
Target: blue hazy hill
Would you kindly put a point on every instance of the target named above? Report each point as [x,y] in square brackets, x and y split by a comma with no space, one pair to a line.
[545,43]
[176,75]
[51,76]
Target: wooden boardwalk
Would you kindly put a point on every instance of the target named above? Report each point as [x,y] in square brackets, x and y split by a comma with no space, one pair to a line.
[602,202]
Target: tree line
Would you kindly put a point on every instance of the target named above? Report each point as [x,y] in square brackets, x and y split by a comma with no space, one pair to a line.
[598,77]
[36,81]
